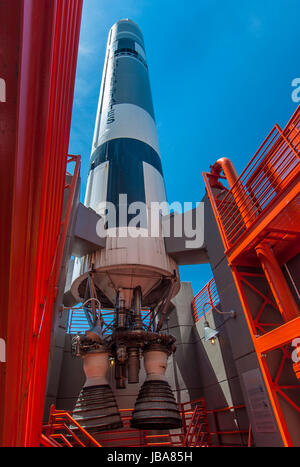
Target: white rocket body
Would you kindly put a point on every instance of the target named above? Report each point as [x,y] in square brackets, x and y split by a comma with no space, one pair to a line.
[125,159]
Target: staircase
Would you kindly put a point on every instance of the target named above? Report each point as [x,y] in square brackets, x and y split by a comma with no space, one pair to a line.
[57,433]
[62,430]
[197,433]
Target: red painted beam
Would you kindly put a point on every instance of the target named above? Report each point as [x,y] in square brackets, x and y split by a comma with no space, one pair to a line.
[39,51]
[283,334]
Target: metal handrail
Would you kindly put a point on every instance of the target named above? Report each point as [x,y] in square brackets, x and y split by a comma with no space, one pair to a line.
[208,295]
[61,419]
[272,168]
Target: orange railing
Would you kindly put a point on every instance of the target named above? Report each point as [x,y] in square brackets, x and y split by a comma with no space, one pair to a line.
[272,168]
[205,300]
[58,433]
[58,428]
[130,437]
[259,222]
[188,411]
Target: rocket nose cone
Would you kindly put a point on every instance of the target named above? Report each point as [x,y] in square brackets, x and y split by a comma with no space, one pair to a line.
[127,25]
[126,20]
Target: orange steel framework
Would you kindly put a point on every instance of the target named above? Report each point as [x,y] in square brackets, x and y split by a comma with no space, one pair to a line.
[60,420]
[39,44]
[259,221]
[63,430]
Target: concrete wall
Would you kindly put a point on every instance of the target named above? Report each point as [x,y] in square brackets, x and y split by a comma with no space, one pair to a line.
[201,369]
[182,370]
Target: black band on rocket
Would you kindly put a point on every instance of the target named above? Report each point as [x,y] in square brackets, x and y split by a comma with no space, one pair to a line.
[126,175]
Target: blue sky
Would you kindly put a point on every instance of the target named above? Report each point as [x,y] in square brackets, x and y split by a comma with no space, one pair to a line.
[220,73]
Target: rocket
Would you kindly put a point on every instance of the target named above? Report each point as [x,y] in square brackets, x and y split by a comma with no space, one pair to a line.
[130,272]
[125,154]
[125,164]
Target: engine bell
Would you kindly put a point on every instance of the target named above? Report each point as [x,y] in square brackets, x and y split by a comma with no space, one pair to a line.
[96,407]
[155,407]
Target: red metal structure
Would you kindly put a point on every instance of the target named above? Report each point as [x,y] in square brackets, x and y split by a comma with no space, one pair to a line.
[197,433]
[63,430]
[259,220]
[57,432]
[39,43]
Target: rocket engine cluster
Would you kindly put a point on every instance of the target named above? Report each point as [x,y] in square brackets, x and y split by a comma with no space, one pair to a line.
[132,272]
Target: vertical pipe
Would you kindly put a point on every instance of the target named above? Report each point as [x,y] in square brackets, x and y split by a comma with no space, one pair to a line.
[137,307]
[240,196]
[133,365]
[120,376]
[280,289]
[121,311]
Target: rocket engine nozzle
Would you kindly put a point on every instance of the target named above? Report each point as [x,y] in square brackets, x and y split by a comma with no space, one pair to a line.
[155,407]
[96,407]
